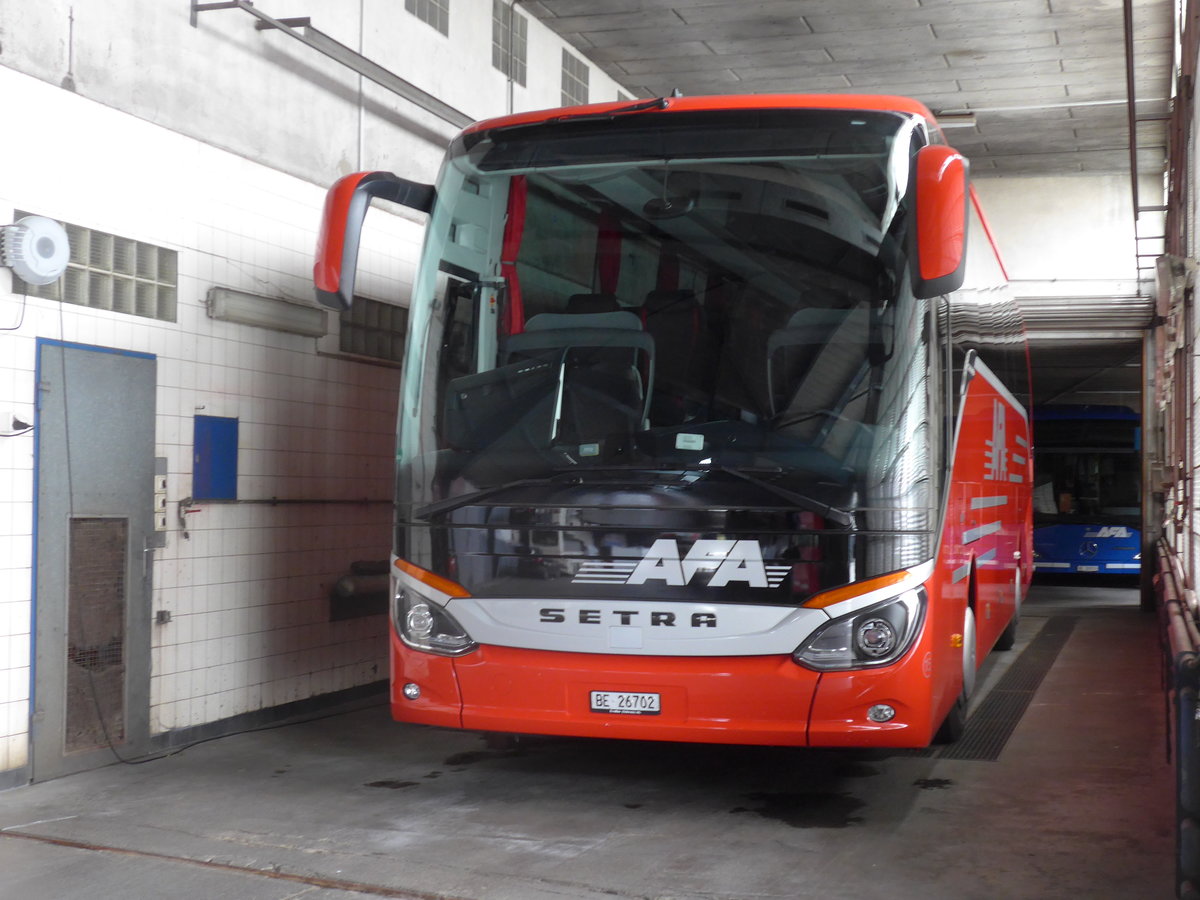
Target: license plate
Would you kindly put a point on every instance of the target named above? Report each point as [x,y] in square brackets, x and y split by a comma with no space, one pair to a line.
[626,703]
[1087,568]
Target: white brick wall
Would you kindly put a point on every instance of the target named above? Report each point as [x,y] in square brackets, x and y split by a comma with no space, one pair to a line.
[248,589]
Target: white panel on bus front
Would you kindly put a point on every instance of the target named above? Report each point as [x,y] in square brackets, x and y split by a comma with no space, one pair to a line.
[641,627]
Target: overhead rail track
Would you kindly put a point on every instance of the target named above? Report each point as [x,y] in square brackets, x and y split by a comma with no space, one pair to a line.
[302,30]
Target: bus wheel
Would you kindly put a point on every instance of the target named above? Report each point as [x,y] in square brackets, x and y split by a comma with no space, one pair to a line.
[956,720]
[954,724]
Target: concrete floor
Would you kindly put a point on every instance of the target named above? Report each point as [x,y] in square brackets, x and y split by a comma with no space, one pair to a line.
[1078,804]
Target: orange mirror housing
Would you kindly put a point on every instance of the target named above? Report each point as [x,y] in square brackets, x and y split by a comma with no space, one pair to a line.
[941,227]
[341,228]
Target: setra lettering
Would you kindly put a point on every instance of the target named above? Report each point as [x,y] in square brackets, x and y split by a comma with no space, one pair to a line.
[551,615]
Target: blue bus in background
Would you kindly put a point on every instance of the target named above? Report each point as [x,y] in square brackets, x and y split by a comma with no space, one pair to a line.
[1087,489]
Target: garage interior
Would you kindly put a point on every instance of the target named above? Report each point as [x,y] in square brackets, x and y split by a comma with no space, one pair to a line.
[235,740]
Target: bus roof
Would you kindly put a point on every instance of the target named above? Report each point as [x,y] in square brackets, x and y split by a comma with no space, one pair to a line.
[883,102]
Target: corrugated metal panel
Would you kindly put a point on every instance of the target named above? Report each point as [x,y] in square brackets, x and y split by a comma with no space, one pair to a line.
[1089,316]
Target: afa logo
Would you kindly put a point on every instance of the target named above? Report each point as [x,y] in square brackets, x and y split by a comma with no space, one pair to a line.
[1109,531]
[724,562]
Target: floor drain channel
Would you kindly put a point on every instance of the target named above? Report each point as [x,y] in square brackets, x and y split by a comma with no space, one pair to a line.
[996,718]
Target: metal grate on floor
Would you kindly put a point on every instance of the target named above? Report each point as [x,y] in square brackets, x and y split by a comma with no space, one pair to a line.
[996,718]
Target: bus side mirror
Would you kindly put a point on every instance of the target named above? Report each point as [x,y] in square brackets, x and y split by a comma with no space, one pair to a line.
[341,228]
[941,228]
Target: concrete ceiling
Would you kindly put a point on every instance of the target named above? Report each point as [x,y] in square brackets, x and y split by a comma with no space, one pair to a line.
[1046,79]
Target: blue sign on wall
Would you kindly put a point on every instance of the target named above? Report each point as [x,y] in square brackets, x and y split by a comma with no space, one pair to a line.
[214,458]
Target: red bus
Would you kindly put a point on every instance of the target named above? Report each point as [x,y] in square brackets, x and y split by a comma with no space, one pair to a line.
[712,425]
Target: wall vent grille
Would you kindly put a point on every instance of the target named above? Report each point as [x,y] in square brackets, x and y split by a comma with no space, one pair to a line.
[574,80]
[431,12]
[372,328]
[509,40]
[96,605]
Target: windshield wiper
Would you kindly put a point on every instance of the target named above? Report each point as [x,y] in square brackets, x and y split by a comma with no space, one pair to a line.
[452,503]
[608,114]
[841,516]
[656,103]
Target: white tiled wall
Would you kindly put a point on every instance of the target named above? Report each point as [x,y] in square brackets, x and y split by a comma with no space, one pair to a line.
[247,588]
[185,144]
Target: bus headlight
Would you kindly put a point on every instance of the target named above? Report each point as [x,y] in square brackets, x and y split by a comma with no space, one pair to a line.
[424,625]
[874,636]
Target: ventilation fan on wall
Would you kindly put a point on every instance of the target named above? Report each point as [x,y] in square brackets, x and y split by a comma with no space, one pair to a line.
[36,248]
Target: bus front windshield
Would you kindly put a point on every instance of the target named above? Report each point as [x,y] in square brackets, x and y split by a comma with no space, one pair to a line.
[692,296]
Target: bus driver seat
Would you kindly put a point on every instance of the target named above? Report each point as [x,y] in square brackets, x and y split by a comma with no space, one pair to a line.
[603,394]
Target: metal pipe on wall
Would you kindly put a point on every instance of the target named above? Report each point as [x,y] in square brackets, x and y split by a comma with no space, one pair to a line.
[1132,106]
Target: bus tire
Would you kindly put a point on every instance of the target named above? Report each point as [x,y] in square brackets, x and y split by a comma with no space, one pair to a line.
[955,723]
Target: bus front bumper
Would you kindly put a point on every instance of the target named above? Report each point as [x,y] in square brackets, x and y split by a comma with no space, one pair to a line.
[767,700]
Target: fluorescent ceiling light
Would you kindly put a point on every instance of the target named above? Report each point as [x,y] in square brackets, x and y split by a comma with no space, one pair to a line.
[266,312]
[956,120]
